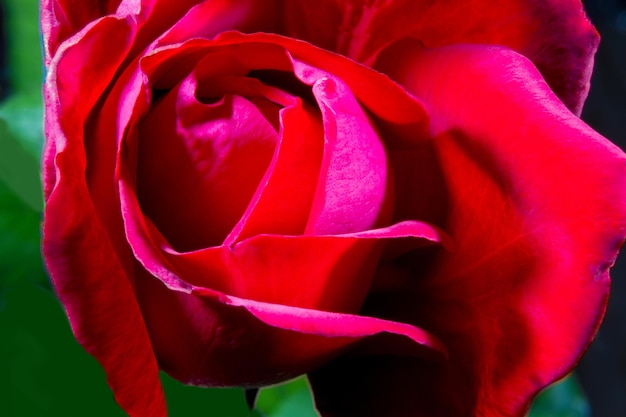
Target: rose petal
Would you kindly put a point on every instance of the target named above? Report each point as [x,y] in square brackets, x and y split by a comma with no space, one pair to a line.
[555,34]
[389,100]
[536,207]
[199,165]
[355,189]
[243,53]
[333,272]
[210,17]
[87,273]
[283,202]
[60,20]
[167,21]
[99,300]
[209,339]
[210,333]
[234,53]
[336,270]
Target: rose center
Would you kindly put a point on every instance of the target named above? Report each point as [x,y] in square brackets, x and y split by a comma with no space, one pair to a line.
[203,150]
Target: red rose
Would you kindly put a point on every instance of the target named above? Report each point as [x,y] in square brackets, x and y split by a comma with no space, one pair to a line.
[384,195]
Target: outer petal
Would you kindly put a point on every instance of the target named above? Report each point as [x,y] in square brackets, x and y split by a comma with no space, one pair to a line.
[210,339]
[554,34]
[210,17]
[60,19]
[535,202]
[86,271]
[187,19]
[174,21]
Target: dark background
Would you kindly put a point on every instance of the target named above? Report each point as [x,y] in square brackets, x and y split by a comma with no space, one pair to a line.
[602,371]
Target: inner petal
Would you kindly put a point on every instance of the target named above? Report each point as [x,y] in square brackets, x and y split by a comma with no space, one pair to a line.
[199,164]
[354,190]
[283,200]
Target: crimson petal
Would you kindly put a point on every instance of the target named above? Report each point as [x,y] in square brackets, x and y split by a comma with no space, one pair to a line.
[87,273]
[192,154]
[555,34]
[537,209]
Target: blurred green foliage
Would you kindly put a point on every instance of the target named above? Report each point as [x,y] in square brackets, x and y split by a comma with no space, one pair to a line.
[43,370]
[563,399]
[21,113]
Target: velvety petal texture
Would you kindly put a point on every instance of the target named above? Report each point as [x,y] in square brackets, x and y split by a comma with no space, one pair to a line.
[514,203]
[555,34]
[239,192]
[61,19]
[85,268]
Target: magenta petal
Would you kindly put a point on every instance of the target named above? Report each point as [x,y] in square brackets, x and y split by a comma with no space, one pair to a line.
[162,20]
[336,270]
[535,204]
[354,190]
[234,53]
[206,337]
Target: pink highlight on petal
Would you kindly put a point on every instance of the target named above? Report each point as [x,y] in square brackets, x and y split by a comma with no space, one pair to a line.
[330,324]
[354,191]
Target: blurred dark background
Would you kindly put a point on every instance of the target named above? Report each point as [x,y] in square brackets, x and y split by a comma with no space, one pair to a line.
[602,371]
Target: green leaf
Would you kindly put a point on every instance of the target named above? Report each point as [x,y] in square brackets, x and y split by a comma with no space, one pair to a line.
[287,400]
